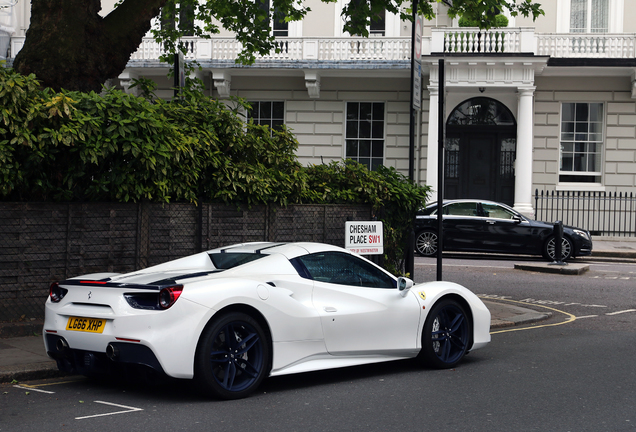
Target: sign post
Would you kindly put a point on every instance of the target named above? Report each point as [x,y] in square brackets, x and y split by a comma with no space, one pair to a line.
[416,105]
[441,131]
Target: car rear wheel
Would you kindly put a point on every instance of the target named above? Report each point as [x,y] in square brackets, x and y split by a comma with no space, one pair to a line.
[549,249]
[426,243]
[446,335]
[233,357]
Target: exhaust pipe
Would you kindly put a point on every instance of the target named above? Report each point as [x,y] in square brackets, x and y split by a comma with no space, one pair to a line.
[112,352]
[61,345]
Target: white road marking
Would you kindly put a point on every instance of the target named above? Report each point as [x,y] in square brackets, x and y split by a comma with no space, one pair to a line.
[586,316]
[127,408]
[33,389]
[621,312]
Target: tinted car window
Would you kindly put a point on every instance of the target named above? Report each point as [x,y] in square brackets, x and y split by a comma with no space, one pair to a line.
[226,261]
[461,209]
[342,269]
[496,211]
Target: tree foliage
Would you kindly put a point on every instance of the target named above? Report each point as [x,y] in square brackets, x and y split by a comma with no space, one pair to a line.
[500,21]
[68,146]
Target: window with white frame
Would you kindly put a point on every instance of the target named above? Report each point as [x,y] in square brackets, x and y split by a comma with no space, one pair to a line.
[183,18]
[268,113]
[589,16]
[581,142]
[364,133]
[383,24]
[279,26]
[378,24]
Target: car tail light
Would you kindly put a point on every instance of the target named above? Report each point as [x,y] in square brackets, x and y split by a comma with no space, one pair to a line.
[56,292]
[154,301]
[168,296]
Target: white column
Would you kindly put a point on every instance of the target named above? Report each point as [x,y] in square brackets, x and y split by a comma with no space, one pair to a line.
[523,163]
[431,151]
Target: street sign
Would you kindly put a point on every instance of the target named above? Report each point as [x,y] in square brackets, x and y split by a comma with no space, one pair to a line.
[364,238]
[418,38]
[417,86]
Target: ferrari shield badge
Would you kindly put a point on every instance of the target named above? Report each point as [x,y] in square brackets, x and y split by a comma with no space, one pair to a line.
[423,295]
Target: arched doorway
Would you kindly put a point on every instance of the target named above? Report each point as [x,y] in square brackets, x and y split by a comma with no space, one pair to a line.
[481,141]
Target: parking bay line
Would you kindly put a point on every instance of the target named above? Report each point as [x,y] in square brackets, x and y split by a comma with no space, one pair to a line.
[33,389]
[621,312]
[127,410]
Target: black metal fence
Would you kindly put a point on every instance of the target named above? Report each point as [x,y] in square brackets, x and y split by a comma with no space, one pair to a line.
[45,242]
[602,213]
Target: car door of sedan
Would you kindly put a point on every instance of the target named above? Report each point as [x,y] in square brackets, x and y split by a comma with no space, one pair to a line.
[464,229]
[506,232]
[361,310]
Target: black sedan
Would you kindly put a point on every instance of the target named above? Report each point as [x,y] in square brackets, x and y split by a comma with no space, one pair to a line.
[486,226]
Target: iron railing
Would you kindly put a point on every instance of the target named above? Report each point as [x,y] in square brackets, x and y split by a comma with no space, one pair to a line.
[601,213]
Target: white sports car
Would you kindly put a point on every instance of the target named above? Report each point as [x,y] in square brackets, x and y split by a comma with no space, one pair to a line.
[232,316]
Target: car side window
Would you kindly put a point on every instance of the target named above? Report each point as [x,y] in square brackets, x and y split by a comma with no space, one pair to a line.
[496,212]
[342,269]
[461,209]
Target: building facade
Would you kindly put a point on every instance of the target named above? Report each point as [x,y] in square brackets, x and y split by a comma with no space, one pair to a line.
[547,105]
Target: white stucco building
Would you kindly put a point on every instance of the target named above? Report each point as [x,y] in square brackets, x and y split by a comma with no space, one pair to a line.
[546,105]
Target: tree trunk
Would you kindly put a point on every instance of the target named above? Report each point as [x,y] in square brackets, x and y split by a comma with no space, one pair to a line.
[69,45]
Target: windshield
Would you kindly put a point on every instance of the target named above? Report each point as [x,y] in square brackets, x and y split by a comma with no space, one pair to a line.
[224,261]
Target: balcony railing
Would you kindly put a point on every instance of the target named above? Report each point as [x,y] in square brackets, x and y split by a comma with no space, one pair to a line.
[520,40]
[289,49]
[596,45]
[474,41]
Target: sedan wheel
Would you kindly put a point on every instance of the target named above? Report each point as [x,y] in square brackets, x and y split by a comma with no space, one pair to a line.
[233,357]
[549,249]
[426,243]
[446,335]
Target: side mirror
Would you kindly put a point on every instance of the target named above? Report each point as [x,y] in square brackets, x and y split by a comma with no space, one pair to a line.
[404,285]
[517,219]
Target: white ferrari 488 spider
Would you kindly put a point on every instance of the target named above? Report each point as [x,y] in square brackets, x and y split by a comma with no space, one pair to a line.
[230,317]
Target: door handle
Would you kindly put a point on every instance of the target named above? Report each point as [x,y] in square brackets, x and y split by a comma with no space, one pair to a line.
[491,222]
[330,309]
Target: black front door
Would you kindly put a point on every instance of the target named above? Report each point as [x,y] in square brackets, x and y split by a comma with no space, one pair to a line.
[479,165]
[480,151]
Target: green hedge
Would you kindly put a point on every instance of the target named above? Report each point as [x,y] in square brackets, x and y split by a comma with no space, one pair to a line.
[72,146]
[500,21]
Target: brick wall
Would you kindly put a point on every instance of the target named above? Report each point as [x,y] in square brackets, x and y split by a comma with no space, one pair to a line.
[45,242]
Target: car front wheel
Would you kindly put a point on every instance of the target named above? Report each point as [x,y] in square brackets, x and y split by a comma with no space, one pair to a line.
[446,335]
[233,357]
[426,243]
[549,249]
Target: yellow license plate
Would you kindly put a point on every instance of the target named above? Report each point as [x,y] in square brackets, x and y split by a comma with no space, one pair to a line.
[91,325]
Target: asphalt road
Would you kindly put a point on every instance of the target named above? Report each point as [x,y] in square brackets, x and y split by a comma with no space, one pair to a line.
[574,372]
